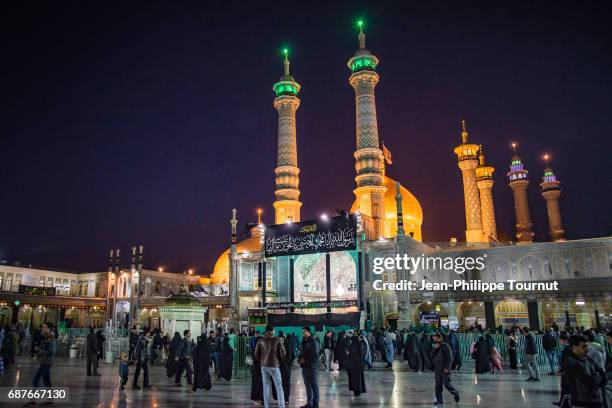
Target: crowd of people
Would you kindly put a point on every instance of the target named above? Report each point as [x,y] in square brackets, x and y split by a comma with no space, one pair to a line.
[578,356]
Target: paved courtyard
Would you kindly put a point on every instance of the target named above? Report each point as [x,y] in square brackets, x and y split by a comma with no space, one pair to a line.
[385,388]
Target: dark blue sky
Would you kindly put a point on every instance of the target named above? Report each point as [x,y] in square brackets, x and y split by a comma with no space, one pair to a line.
[147,122]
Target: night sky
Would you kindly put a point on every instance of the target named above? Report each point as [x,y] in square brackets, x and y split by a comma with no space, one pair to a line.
[146,123]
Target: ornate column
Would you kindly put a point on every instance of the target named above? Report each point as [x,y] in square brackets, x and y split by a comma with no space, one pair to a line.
[287,205]
[370,190]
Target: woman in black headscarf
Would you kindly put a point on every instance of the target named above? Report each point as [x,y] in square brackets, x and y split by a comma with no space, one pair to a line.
[171,364]
[354,365]
[426,347]
[481,355]
[285,369]
[227,359]
[201,364]
[412,352]
[340,351]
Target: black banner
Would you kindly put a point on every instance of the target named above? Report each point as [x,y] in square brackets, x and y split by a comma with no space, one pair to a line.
[36,290]
[309,237]
[316,320]
[311,305]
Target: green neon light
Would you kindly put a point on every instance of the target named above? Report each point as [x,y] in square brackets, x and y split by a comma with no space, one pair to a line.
[363,63]
[285,89]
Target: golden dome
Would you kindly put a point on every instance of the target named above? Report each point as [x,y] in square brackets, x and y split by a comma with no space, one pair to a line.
[411,209]
[221,270]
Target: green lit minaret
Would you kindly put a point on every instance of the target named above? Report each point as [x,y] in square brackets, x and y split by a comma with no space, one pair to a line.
[370,189]
[287,204]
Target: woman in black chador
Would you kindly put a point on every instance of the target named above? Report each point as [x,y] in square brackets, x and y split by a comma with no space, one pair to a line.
[481,355]
[285,369]
[227,360]
[354,365]
[426,348]
[201,364]
[412,352]
[175,345]
[340,351]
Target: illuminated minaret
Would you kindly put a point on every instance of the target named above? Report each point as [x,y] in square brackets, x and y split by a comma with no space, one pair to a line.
[551,192]
[370,190]
[287,204]
[484,180]
[467,154]
[518,182]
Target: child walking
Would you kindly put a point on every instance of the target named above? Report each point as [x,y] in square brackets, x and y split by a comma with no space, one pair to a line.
[123,370]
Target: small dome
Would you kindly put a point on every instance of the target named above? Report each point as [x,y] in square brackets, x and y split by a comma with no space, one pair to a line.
[411,210]
[220,273]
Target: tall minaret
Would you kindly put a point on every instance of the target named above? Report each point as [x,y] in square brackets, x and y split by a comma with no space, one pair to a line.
[551,193]
[287,204]
[370,190]
[467,154]
[484,180]
[518,182]
[233,264]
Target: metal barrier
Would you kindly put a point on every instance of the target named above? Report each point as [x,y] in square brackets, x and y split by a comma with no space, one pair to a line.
[466,340]
[77,337]
[240,353]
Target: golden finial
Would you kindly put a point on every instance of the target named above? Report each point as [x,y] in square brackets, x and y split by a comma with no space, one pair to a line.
[546,158]
[464,133]
[482,159]
[259,211]
[513,144]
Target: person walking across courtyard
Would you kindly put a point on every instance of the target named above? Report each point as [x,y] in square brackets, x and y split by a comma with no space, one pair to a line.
[442,358]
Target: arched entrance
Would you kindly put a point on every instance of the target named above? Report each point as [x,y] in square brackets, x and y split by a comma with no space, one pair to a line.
[72,317]
[25,315]
[6,315]
[123,313]
[471,314]
[430,313]
[511,312]
[391,320]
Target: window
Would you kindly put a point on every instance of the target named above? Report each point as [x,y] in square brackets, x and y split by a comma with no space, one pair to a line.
[9,282]
[1,279]
[17,280]
[50,282]
[41,282]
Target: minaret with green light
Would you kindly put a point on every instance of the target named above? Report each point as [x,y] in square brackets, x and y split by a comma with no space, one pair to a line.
[518,180]
[287,205]
[549,187]
[370,190]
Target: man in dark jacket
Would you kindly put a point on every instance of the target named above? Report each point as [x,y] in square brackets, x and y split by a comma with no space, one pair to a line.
[45,352]
[442,359]
[269,351]
[585,379]
[92,352]
[309,361]
[549,344]
[142,355]
[329,345]
[185,359]
[531,354]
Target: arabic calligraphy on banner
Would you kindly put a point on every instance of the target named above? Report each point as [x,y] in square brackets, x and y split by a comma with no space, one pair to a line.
[311,305]
[308,237]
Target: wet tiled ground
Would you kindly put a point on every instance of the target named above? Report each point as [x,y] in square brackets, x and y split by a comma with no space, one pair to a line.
[399,387]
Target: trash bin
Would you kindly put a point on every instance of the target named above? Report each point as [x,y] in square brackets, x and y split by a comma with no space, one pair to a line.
[74,351]
[109,357]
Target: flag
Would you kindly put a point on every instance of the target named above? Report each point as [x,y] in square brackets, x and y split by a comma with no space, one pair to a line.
[387,154]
